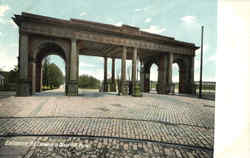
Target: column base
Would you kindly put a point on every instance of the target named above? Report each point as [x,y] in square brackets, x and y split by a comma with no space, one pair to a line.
[113,87]
[72,88]
[23,88]
[162,89]
[172,89]
[124,88]
[136,91]
[105,87]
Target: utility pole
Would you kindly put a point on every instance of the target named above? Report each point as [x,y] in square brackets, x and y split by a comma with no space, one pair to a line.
[200,86]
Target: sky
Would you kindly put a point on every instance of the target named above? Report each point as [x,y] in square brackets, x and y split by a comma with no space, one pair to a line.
[181,19]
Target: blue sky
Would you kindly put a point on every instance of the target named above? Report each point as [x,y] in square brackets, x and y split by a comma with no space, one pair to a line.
[181,19]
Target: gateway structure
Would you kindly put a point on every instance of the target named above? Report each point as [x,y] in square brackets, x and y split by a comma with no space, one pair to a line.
[40,36]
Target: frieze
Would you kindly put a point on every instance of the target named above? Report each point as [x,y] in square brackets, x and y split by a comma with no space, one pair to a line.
[102,38]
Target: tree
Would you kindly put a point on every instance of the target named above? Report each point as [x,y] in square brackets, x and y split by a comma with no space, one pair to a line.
[46,62]
[52,75]
[55,76]
[13,75]
[86,81]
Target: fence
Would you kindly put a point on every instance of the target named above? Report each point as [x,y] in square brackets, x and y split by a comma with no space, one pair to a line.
[208,90]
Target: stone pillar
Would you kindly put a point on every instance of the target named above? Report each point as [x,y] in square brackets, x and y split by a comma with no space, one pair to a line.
[72,86]
[158,79]
[105,81]
[169,72]
[124,83]
[134,64]
[136,90]
[39,77]
[23,85]
[33,63]
[113,84]
[162,75]
[142,75]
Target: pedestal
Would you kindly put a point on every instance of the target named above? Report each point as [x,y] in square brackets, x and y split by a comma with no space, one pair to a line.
[136,92]
[113,87]
[23,88]
[72,88]
[124,88]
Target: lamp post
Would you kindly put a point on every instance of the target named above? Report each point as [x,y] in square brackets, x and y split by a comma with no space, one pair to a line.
[200,85]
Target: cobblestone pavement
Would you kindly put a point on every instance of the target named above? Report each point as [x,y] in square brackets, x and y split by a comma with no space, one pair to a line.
[106,125]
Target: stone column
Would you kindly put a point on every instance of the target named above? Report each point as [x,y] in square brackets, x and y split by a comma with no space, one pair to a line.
[134,67]
[142,75]
[33,63]
[124,83]
[158,79]
[113,84]
[169,72]
[136,89]
[105,81]
[23,86]
[162,75]
[39,77]
[72,85]
[134,64]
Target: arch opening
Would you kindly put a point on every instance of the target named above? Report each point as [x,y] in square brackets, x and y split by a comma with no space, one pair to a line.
[50,68]
[176,77]
[153,78]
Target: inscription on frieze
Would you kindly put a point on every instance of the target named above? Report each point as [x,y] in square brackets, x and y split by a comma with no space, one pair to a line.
[102,38]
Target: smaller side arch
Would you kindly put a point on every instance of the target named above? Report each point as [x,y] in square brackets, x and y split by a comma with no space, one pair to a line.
[148,62]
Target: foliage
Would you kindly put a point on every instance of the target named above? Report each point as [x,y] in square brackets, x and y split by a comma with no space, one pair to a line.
[52,75]
[13,75]
[46,63]
[86,81]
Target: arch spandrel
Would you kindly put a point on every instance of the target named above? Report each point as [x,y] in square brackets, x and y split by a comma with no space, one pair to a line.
[37,43]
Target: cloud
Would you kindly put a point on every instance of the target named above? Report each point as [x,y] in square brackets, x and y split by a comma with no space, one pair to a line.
[1,33]
[8,59]
[8,22]
[155,29]
[118,23]
[83,14]
[3,9]
[12,23]
[212,58]
[142,9]
[82,64]
[97,73]
[189,19]
[147,20]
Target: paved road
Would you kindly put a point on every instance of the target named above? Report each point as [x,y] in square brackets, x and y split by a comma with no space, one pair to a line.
[106,125]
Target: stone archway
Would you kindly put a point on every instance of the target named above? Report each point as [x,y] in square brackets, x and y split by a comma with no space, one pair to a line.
[45,49]
[77,37]
[182,70]
[146,70]
[153,77]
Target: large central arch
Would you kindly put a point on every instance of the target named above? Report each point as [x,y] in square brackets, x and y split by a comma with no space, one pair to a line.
[45,49]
